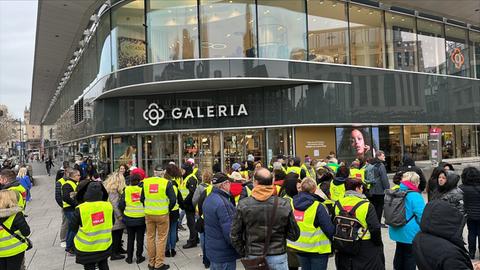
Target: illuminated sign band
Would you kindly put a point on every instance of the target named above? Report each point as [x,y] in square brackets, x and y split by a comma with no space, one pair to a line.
[154,114]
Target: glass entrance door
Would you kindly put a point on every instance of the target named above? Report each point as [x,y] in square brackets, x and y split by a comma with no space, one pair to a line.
[204,148]
[238,145]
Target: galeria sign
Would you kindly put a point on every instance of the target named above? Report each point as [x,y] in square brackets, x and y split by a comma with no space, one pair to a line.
[153,114]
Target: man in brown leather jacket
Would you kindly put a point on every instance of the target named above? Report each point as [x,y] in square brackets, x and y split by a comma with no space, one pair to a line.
[255,213]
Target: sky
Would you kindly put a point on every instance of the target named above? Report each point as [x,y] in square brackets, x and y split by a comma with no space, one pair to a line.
[18,20]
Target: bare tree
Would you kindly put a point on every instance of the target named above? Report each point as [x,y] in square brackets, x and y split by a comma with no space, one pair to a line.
[7,127]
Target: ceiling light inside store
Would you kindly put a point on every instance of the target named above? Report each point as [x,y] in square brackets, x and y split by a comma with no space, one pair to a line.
[359,10]
[266,11]
[321,2]
[370,13]
[334,4]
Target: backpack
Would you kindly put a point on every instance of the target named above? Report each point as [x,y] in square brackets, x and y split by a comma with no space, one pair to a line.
[370,174]
[346,238]
[394,207]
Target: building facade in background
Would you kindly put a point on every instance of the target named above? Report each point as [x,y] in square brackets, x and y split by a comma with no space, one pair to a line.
[153,81]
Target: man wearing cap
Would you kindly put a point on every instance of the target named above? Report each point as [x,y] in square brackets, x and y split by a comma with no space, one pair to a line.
[218,212]
[159,198]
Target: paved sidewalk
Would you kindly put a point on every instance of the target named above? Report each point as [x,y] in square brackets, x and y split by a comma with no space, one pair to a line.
[44,218]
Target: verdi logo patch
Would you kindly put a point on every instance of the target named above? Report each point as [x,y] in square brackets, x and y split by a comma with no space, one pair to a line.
[299,215]
[98,218]
[153,188]
[135,197]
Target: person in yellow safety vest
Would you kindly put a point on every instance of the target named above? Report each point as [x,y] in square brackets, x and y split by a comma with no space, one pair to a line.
[357,172]
[190,182]
[202,192]
[12,250]
[294,166]
[236,186]
[172,172]
[337,186]
[370,254]
[58,198]
[397,178]
[247,188]
[307,170]
[158,198]
[316,229]
[8,181]
[134,217]
[195,170]
[333,164]
[69,190]
[93,221]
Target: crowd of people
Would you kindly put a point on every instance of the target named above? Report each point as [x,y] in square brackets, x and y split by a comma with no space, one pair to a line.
[285,215]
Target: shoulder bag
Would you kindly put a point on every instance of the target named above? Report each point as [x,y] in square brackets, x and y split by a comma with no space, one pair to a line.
[21,239]
[260,263]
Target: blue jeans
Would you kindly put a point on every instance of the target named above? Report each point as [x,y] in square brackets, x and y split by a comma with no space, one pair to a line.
[172,234]
[223,266]
[70,232]
[180,218]
[205,259]
[313,261]
[276,262]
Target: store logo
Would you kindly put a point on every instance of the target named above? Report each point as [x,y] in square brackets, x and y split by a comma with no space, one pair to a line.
[457,58]
[153,114]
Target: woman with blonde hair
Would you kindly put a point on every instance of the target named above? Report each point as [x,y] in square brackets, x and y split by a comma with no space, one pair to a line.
[12,250]
[24,180]
[115,185]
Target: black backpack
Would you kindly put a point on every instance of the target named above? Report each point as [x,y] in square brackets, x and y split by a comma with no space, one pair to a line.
[394,208]
[347,227]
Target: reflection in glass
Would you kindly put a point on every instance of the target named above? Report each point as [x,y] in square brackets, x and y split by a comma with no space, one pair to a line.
[282,29]
[416,142]
[366,36]
[465,142]
[280,142]
[327,32]
[401,42]
[228,28]
[128,34]
[159,149]
[457,51]
[238,145]
[103,156]
[124,151]
[390,143]
[172,30]
[104,50]
[475,48]
[204,148]
[431,47]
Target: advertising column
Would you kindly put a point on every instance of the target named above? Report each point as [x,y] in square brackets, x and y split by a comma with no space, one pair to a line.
[435,145]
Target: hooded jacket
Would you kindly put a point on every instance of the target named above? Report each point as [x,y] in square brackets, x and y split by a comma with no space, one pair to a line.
[381,176]
[408,165]
[322,220]
[439,245]
[450,192]
[471,193]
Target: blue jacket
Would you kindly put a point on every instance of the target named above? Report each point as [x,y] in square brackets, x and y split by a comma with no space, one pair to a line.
[414,205]
[218,213]
[27,184]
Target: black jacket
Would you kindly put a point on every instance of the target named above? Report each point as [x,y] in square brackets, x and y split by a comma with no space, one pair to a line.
[439,245]
[471,200]
[58,193]
[249,227]
[66,190]
[408,165]
[60,174]
[244,193]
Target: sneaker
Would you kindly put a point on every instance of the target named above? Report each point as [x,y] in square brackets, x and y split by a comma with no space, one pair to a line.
[163,267]
[70,252]
[129,260]
[167,253]
[140,259]
[63,244]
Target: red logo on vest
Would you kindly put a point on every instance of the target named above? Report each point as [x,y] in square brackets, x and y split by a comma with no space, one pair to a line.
[154,188]
[98,218]
[135,196]
[299,215]
[24,195]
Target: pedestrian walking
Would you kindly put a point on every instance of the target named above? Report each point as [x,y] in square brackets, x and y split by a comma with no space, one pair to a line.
[439,245]
[24,180]
[49,164]
[172,172]
[471,197]
[403,235]
[263,218]
[218,212]
[13,228]
[189,183]
[92,222]
[379,185]
[448,190]
[316,229]
[367,250]
[69,191]
[115,185]
[134,217]
[158,197]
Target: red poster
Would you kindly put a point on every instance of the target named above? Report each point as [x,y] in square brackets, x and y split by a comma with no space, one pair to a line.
[135,197]
[98,218]
[299,215]
[153,188]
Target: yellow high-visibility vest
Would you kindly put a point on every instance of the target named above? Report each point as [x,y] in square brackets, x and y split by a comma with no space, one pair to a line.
[9,244]
[133,206]
[95,234]
[22,192]
[348,202]
[182,187]
[312,239]
[357,174]
[336,192]
[310,174]
[74,187]
[294,169]
[177,206]
[156,199]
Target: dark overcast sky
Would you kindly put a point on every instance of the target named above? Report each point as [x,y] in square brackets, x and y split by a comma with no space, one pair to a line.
[17,44]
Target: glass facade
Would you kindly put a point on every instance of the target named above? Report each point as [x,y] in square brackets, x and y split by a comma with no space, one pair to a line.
[125,151]
[159,149]
[431,47]
[401,42]
[457,51]
[475,49]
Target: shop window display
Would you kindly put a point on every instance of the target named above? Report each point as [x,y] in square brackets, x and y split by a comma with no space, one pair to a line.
[159,149]
[458,56]
[124,151]
[416,142]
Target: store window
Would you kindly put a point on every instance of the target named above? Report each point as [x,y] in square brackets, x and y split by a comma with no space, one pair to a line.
[327,32]
[416,142]
[124,151]
[458,56]
[401,41]
[391,143]
[282,29]
[448,141]
[475,48]
[238,145]
[172,30]
[465,142]
[431,44]
[204,148]
[104,49]
[280,142]
[102,157]
[128,35]
[159,149]
[366,36]
[228,28]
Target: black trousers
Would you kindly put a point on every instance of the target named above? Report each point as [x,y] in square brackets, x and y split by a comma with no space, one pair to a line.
[137,232]
[404,259]
[473,227]
[13,262]
[102,265]
[193,238]
[378,202]
[116,241]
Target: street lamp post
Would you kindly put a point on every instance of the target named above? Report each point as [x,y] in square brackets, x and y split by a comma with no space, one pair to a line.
[21,141]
